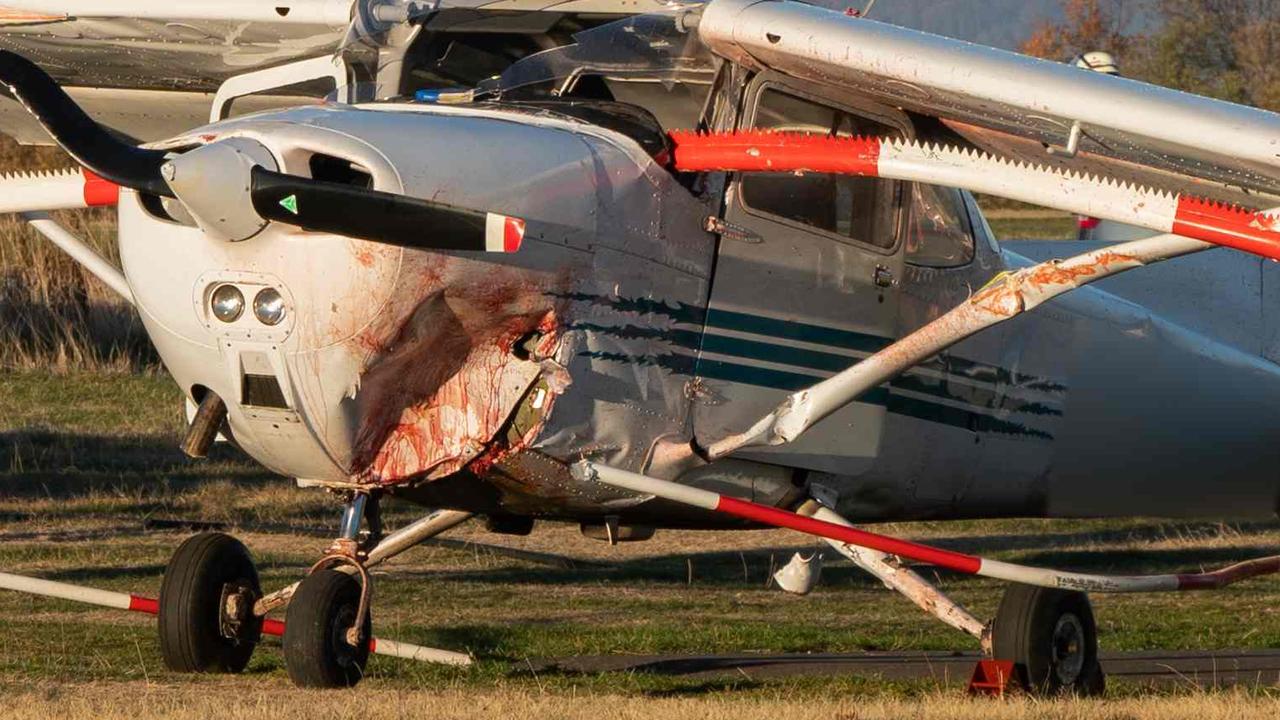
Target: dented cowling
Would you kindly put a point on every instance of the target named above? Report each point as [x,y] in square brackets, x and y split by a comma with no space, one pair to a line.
[397,365]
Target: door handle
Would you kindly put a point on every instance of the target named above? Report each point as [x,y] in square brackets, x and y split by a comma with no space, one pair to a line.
[883,277]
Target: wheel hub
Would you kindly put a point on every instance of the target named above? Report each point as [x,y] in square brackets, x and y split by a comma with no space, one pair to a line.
[236,610]
[1068,650]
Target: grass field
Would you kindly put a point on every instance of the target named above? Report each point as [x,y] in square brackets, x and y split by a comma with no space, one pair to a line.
[85,458]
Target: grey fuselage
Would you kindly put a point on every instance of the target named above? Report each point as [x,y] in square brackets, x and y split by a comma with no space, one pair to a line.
[624,331]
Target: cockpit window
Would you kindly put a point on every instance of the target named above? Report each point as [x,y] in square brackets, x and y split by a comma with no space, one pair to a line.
[939,232]
[854,208]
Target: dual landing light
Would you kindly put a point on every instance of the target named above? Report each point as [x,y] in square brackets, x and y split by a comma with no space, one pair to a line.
[227,304]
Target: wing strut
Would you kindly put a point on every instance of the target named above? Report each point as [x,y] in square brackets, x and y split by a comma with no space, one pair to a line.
[949,559]
[1186,215]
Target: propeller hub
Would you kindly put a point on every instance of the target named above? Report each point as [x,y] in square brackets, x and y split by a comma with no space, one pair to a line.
[214,183]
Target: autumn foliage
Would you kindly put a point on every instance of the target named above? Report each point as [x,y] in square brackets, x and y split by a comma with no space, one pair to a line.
[1221,48]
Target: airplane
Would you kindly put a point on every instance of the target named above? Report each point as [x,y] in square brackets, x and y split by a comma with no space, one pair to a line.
[641,266]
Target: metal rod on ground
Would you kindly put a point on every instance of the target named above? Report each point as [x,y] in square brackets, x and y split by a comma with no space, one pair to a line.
[949,559]
[150,606]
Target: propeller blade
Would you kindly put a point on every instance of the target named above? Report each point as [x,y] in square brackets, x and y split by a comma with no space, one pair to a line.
[357,212]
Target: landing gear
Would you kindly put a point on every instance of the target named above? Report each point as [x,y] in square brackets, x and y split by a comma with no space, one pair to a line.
[1051,637]
[206,618]
[318,651]
[328,626]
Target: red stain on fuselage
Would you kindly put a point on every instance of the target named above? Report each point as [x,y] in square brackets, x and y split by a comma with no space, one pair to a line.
[443,375]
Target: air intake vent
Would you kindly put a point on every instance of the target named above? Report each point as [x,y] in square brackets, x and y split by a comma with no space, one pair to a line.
[262,391]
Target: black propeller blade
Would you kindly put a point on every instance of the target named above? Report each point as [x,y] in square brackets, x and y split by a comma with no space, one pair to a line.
[85,140]
[357,212]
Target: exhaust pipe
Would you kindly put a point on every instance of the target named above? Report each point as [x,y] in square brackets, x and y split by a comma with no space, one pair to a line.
[204,426]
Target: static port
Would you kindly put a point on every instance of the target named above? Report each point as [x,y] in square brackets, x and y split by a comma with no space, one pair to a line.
[268,306]
[227,303]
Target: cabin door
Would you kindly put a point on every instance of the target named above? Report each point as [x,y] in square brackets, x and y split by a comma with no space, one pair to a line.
[805,285]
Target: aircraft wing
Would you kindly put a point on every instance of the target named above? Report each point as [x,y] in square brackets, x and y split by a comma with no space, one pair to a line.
[149,68]
[1013,105]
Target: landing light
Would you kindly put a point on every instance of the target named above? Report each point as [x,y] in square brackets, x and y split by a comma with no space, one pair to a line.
[268,306]
[227,303]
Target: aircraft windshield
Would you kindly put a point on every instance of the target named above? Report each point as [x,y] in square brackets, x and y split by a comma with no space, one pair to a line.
[654,47]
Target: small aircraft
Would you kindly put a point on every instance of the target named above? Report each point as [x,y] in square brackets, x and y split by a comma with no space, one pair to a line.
[682,265]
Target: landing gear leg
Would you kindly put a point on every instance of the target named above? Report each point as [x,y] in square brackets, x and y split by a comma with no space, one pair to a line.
[903,580]
[328,626]
[1051,637]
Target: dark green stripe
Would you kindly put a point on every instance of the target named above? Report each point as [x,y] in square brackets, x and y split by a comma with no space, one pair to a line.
[785,354]
[792,330]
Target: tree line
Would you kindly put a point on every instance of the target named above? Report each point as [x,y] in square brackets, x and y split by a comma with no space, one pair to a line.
[1227,49]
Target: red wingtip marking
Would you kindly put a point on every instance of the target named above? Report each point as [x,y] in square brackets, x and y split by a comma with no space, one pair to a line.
[512,234]
[98,192]
[1228,225]
[772,151]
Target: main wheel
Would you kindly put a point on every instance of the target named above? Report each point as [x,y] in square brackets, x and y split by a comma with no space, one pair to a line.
[206,606]
[1051,637]
[316,651]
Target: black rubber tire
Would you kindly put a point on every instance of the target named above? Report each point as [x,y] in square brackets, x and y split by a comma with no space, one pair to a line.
[190,619]
[1024,632]
[316,652]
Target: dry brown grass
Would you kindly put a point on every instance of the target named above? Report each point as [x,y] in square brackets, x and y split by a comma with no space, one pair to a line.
[52,313]
[235,699]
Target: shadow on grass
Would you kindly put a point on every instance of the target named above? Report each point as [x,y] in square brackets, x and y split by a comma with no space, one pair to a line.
[42,463]
[89,574]
[726,568]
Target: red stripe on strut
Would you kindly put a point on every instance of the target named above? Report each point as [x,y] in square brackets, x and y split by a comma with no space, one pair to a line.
[959,562]
[512,234]
[151,606]
[147,605]
[98,192]
[1230,574]
[767,151]
[1234,227]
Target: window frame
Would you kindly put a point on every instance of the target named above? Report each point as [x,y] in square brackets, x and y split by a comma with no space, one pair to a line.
[894,213]
[968,221]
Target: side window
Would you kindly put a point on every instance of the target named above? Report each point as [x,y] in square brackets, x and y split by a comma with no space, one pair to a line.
[939,233]
[854,208]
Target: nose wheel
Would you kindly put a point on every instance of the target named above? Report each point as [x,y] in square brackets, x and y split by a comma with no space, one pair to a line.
[1051,637]
[206,618]
[319,651]
[328,628]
